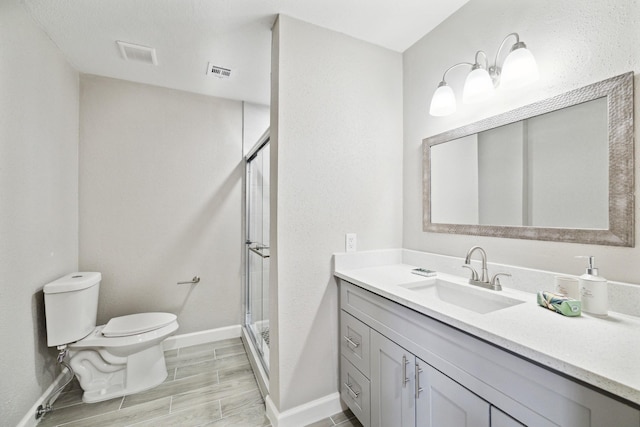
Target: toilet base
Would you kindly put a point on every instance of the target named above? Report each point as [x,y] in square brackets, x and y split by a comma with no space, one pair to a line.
[101,381]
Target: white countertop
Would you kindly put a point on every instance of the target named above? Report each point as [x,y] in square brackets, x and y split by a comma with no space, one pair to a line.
[603,352]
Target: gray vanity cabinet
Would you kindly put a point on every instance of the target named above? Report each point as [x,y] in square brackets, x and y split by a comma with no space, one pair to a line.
[407,392]
[392,391]
[500,419]
[443,402]
[400,368]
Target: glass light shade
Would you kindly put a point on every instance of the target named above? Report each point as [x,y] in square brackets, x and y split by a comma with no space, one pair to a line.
[443,101]
[477,87]
[519,69]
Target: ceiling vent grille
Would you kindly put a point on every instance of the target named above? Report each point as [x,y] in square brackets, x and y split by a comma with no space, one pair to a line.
[219,72]
[136,52]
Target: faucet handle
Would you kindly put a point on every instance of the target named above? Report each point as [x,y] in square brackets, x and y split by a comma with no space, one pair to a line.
[495,280]
[474,273]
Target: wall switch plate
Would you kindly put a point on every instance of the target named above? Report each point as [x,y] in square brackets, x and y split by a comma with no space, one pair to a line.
[350,242]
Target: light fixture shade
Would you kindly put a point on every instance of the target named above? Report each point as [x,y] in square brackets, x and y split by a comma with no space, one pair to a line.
[443,101]
[519,69]
[477,87]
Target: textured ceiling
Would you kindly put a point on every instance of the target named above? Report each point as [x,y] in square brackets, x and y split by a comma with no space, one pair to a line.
[234,34]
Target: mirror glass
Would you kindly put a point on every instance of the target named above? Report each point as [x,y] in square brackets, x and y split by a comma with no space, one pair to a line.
[554,170]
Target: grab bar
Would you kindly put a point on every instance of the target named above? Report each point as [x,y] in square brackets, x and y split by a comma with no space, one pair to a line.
[195,279]
[257,250]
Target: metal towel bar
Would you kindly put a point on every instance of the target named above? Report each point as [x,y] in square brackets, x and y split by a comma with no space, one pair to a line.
[258,249]
[195,279]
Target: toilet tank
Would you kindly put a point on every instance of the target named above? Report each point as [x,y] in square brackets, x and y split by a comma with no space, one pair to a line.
[71,307]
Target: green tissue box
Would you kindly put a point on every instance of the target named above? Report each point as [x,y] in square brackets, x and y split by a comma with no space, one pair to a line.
[559,304]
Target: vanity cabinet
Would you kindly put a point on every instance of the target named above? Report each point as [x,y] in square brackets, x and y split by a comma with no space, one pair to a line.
[445,403]
[392,394]
[401,368]
[407,392]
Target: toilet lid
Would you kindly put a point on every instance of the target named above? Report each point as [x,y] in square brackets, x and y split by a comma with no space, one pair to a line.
[134,324]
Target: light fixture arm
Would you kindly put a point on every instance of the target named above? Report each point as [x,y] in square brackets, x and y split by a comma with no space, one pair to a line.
[444,76]
[495,70]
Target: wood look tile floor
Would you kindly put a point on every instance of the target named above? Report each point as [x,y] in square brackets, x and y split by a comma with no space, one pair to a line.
[208,385]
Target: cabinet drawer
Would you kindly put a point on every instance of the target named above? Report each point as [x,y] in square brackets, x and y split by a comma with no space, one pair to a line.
[355,391]
[355,342]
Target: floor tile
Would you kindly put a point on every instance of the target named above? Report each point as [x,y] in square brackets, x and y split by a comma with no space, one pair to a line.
[322,423]
[79,411]
[190,355]
[212,393]
[172,387]
[211,365]
[128,416]
[239,401]
[194,416]
[342,416]
[234,372]
[229,351]
[252,416]
[353,422]
[227,343]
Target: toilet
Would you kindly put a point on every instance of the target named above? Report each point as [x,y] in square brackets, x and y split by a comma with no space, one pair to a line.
[123,357]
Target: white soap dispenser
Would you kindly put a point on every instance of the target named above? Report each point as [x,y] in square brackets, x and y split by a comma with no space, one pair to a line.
[593,290]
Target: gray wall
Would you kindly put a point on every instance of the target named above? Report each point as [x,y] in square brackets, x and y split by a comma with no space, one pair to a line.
[161,175]
[336,167]
[38,200]
[576,43]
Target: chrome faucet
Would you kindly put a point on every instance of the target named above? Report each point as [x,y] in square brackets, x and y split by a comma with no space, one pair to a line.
[483,279]
[483,255]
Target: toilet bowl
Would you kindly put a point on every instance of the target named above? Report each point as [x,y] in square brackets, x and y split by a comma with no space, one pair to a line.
[122,363]
[123,357]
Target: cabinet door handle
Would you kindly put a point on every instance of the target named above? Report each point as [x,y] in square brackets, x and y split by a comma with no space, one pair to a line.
[353,393]
[405,362]
[418,388]
[352,342]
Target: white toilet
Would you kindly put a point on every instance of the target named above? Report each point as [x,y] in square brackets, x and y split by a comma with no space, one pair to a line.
[123,357]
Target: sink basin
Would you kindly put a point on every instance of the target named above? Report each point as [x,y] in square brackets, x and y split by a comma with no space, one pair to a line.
[465,296]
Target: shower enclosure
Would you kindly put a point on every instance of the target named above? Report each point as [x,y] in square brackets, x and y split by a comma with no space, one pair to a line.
[257,249]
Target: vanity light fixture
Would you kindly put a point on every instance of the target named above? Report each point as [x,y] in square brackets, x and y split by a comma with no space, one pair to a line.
[518,69]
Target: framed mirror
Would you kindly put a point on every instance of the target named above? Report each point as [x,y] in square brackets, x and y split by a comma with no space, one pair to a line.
[561,169]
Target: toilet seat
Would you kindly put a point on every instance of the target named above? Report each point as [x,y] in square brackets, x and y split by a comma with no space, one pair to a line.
[135,324]
[97,339]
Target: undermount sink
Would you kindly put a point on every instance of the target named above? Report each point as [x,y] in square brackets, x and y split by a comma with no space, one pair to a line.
[462,295]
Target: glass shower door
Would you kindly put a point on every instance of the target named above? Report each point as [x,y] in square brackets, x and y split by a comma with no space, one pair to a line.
[257,250]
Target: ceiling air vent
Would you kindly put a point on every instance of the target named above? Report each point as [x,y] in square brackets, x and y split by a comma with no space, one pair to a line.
[219,72]
[136,52]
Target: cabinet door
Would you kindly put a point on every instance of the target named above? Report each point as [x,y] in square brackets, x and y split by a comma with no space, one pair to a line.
[392,379]
[442,402]
[500,419]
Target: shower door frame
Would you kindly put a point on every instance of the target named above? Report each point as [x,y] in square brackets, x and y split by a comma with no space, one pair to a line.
[263,143]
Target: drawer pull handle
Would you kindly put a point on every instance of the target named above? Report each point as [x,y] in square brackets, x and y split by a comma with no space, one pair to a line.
[355,394]
[352,342]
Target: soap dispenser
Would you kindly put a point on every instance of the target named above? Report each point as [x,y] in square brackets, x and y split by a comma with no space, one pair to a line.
[593,290]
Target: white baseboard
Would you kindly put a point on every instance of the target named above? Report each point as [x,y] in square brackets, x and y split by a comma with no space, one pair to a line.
[29,420]
[202,337]
[305,414]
